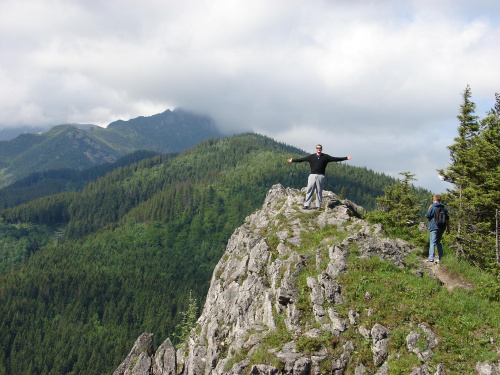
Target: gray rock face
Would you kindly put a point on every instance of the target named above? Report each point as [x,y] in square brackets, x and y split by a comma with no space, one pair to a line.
[138,361]
[164,361]
[273,298]
[484,368]
[379,336]
[425,335]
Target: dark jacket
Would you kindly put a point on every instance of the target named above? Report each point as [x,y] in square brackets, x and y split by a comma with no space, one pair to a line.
[430,215]
[318,163]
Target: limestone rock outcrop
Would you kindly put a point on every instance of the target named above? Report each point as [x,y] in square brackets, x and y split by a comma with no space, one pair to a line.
[274,298]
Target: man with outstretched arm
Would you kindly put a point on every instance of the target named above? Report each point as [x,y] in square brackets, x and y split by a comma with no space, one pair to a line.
[318,163]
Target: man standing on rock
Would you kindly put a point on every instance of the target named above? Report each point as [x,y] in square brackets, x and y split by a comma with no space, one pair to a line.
[318,163]
[437,226]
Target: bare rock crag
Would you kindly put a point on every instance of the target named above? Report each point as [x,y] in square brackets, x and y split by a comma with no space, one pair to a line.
[273,299]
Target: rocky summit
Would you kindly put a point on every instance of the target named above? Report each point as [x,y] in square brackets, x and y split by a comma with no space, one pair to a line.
[275,296]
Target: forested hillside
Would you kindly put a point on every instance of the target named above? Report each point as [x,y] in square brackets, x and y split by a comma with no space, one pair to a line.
[53,181]
[91,270]
[80,147]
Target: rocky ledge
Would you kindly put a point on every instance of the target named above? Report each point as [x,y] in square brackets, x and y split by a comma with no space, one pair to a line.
[274,299]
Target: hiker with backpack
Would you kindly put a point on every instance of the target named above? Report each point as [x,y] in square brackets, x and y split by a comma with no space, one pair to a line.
[439,221]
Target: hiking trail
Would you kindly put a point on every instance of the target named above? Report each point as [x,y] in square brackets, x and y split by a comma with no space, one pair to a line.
[449,280]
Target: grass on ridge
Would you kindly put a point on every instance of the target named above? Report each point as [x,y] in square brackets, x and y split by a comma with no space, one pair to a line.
[466,323]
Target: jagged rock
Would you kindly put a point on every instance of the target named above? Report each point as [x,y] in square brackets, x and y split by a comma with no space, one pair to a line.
[239,368]
[331,289]
[383,370]
[426,334]
[143,365]
[317,297]
[254,294]
[425,370]
[394,251]
[339,325]
[379,343]
[339,365]
[353,317]
[164,361]
[361,370]
[365,332]
[302,366]
[138,361]
[421,370]
[338,261]
[439,369]
[484,368]
[264,370]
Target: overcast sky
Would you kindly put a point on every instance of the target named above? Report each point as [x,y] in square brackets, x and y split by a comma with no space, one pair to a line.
[378,80]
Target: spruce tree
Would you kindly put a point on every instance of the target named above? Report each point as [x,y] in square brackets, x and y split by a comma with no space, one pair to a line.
[399,208]
[474,172]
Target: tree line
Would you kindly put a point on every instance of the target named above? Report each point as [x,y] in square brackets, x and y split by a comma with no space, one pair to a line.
[53,181]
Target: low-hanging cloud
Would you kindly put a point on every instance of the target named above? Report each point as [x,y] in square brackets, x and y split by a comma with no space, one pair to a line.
[381,81]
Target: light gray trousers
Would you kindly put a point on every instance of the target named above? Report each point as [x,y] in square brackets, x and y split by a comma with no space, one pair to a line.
[314,184]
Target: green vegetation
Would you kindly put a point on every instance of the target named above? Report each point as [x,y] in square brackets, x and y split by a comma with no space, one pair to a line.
[474,200]
[19,242]
[95,267]
[400,206]
[464,321]
[50,182]
[475,173]
[115,253]
[188,321]
[72,147]
[401,209]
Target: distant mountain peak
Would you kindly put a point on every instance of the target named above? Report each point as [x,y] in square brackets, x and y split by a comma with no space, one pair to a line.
[170,131]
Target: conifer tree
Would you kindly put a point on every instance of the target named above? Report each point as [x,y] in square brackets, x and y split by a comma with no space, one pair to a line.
[459,171]
[399,207]
[188,320]
[474,172]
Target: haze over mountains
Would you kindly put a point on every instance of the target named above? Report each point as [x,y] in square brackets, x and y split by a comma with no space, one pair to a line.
[7,134]
[80,147]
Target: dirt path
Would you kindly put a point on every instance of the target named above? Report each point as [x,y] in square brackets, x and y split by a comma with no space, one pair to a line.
[449,280]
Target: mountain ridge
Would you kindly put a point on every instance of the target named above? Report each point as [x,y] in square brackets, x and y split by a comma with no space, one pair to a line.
[80,147]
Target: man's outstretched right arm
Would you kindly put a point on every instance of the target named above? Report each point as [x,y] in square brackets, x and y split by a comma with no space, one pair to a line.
[300,160]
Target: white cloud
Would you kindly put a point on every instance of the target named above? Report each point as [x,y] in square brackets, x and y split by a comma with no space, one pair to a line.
[382,79]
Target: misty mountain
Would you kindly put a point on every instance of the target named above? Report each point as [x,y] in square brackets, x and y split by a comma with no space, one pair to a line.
[80,147]
[6,134]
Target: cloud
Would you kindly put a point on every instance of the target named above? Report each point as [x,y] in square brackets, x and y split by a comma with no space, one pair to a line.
[380,80]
